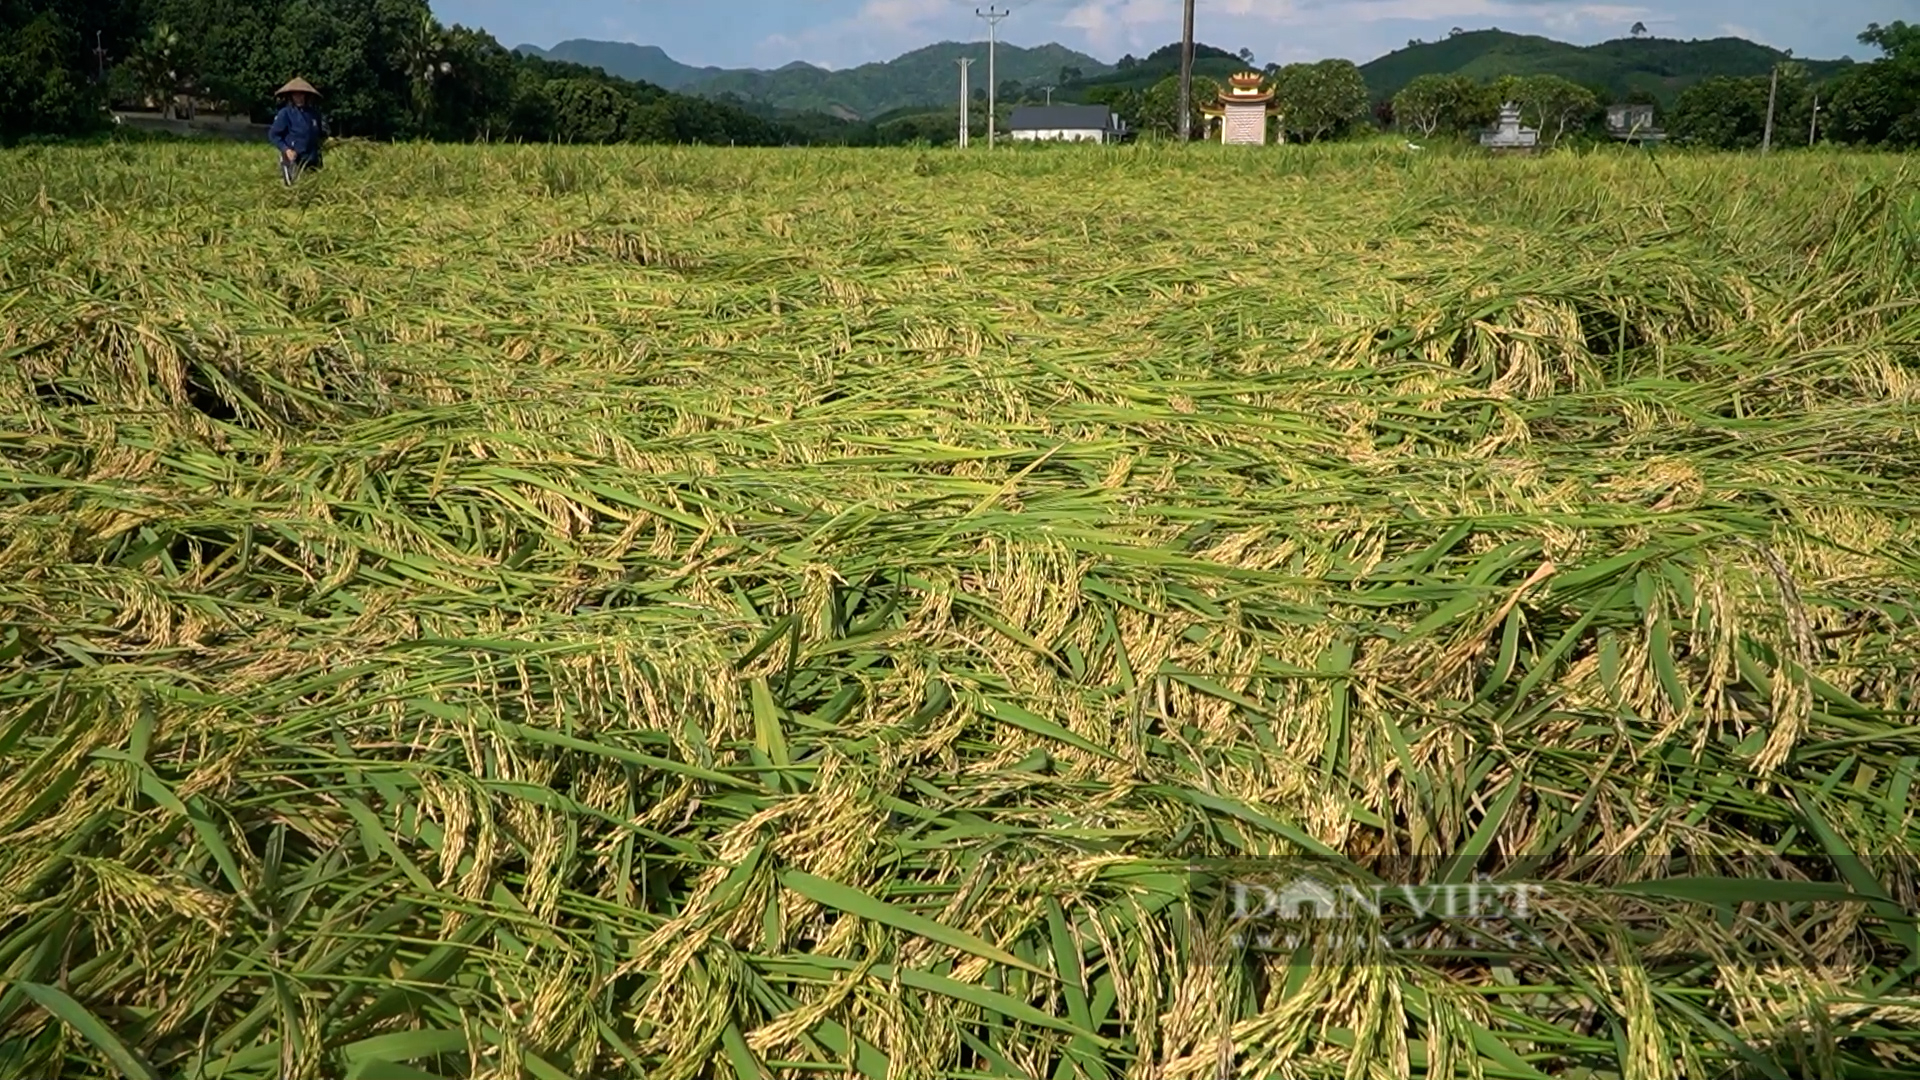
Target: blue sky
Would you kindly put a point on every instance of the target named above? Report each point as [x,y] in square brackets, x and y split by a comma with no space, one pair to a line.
[842,33]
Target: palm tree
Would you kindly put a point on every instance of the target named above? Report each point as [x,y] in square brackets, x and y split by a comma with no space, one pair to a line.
[1639,29]
[155,66]
[424,58]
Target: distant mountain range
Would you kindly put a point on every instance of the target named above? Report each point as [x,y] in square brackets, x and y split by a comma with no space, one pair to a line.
[929,77]
[639,63]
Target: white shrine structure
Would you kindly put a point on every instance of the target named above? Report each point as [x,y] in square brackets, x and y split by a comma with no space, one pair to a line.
[1508,134]
[1242,110]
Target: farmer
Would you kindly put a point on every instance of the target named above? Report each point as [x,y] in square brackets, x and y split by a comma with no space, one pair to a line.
[297,132]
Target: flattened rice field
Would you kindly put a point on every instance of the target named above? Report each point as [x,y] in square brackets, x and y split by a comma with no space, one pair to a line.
[575,613]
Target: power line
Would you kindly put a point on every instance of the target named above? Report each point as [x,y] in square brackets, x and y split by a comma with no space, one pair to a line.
[993,16]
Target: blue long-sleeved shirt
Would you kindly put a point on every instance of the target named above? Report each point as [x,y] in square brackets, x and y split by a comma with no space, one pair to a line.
[300,130]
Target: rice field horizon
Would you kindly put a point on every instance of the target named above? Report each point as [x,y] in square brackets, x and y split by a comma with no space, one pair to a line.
[1144,612]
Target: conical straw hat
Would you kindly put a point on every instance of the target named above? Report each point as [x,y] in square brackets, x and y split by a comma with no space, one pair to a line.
[297,85]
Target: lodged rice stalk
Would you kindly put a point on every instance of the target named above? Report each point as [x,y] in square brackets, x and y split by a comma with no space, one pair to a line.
[574,613]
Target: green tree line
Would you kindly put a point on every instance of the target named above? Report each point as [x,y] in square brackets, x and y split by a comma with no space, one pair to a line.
[388,70]
[1875,105]
[1441,105]
[1313,101]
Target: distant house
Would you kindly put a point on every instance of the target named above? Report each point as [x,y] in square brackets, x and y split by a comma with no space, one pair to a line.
[1633,123]
[1066,123]
[1508,134]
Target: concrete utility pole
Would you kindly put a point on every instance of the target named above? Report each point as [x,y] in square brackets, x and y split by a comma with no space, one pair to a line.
[966,96]
[1186,76]
[1813,128]
[1049,90]
[993,16]
[100,55]
[1773,92]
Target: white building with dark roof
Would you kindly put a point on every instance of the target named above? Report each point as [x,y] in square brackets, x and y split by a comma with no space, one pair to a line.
[1065,123]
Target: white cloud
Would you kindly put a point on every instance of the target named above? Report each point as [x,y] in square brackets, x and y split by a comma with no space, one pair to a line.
[1124,19]
[901,14]
[1739,31]
[880,30]
[1111,27]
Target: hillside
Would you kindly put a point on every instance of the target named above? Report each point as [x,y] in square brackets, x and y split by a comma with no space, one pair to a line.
[1209,61]
[625,60]
[929,77]
[926,76]
[1660,66]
